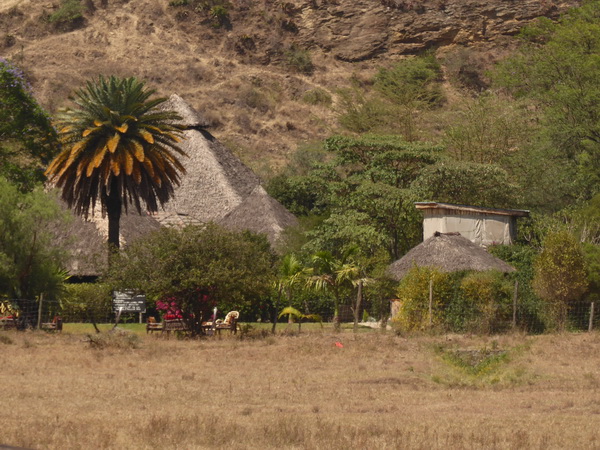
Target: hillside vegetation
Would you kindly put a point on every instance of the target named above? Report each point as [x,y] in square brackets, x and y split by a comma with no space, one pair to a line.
[266,73]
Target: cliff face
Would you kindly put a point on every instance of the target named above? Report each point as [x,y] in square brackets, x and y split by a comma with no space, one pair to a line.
[362,29]
[249,72]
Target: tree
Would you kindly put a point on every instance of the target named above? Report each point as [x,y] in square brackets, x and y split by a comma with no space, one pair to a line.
[30,262]
[27,139]
[558,68]
[560,274]
[291,273]
[468,184]
[118,149]
[195,269]
[335,275]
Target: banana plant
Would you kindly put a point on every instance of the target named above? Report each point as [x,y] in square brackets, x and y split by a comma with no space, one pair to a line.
[291,274]
[292,312]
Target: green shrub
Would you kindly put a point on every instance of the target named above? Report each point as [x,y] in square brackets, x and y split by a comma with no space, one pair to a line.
[86,302]
[531,309]
[317,96]
[412,81]
[219,14]
[298,60]
[359,113]
[413,293]
[486,301]
[68,16]
[561,276]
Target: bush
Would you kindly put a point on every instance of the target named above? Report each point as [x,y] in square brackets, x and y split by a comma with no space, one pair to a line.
[485,298]
[317,96]
[360,114]
[413,293]
[219,14]
[86,302]
[298,60]
[560,274]
[68,16]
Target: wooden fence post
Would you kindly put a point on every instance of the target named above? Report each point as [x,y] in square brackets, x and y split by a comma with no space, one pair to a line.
[39,317]
[591,325]
[430,303]
[514,321]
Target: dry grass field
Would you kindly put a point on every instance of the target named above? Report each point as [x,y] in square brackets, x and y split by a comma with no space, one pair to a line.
[300,391]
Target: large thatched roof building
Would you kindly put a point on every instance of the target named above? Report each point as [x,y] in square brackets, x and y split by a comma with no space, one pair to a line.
[217,187]
[448,252]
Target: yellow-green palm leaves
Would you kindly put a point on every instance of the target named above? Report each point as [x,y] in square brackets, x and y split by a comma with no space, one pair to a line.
[119,148]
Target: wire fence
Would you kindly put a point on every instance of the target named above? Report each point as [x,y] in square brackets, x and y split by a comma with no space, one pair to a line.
[27,313]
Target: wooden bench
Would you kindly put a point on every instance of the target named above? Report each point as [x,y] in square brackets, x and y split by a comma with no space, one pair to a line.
[7,323]
[55,325]
[229,323]
[174,325]
[153,326]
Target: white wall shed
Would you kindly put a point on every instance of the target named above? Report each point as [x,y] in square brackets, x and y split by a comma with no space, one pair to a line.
[482,226]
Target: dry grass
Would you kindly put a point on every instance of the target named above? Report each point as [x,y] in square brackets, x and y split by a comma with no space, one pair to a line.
[378,391]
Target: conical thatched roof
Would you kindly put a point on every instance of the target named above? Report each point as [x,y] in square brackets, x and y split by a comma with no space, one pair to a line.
[261,213]
[217,184]
[449,252]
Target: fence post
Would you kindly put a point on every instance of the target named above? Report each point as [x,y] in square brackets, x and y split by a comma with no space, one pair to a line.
[514,321]
[39,317]
[430,303]
[591,325]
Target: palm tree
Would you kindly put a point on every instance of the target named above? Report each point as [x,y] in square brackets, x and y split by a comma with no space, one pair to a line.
[325,278]
[332,274]
[291,273]
[118,149]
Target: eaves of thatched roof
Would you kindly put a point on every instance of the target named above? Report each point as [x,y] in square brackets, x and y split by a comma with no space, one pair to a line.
[261,213]
[449,253]
[86,240]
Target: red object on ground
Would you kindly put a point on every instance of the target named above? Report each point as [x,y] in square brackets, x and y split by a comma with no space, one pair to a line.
[339,345]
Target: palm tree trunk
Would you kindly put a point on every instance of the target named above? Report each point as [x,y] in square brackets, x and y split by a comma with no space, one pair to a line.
[113,211]
[276,307]
[357,306]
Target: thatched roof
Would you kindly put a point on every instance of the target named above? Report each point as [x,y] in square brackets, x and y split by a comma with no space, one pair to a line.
[261,213]
[215,181]
[449,252]
[86,240]
[218,185]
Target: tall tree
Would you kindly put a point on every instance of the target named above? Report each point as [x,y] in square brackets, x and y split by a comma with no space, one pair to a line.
[30,260]
[558,68]
[560,274]
[119,149]
[197,268]
[27,139]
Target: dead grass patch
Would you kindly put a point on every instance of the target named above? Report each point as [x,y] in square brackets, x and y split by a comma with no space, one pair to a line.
[299,391]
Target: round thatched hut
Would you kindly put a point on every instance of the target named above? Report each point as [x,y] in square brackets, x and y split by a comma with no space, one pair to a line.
[448,252]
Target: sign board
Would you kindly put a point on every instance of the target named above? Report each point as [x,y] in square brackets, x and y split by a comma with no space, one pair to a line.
[128,301]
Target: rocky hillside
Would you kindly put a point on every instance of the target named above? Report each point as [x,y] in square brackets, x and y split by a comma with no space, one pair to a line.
[264,72]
